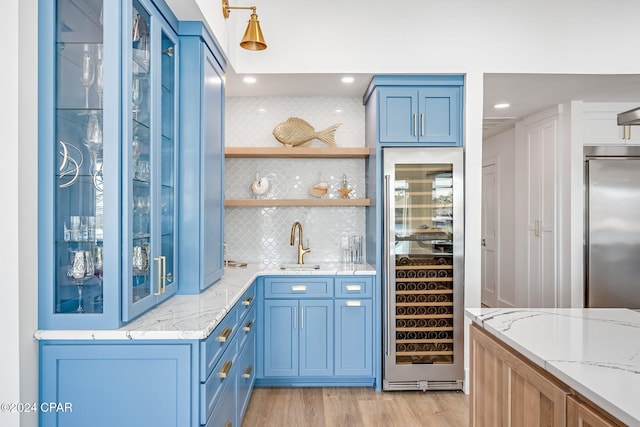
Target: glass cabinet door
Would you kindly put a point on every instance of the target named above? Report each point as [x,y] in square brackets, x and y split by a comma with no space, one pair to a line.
[78,146]
[151,155]
[167,162]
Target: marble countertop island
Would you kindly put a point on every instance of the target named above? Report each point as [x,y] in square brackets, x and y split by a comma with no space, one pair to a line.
[194,317]
[594,351]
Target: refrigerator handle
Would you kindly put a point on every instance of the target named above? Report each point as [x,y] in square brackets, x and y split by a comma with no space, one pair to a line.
[387,256]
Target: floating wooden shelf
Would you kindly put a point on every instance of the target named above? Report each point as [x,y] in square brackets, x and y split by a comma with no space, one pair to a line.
[297,202]
[296,152]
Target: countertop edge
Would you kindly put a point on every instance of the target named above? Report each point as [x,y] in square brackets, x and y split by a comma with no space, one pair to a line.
[134,332]
[481,316]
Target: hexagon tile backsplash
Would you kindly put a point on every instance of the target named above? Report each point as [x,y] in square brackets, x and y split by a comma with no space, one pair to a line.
[261,234]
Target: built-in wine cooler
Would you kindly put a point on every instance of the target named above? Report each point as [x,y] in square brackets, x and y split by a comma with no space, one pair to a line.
[423,230]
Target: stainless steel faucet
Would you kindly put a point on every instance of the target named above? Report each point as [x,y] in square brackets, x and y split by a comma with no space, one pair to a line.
[301,250]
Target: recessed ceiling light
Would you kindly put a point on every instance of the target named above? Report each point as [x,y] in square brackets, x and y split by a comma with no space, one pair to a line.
[249,80]
[502,105]
[347,79]
[338,110]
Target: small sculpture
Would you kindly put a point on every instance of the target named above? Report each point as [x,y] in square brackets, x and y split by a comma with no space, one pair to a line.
[296,131]
[260,186]
[319,189]
[344,191]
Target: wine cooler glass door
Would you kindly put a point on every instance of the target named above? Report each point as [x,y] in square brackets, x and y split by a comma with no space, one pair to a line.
[421,241]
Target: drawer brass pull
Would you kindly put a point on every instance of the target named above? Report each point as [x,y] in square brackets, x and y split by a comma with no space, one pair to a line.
[247,327]
[247,373]
[299,288]
[247,301]
[224,335]
[354,288]
[226,367]
[354,303]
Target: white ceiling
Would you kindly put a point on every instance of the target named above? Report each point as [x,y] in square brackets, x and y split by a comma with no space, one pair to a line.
[526,93]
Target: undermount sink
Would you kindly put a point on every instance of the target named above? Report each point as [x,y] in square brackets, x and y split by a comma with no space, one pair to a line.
[299,267]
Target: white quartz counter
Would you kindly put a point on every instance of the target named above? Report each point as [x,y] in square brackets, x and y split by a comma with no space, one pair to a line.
[193,317]
[594,351]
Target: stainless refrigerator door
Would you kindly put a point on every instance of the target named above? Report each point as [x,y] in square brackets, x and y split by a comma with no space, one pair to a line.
[613,272]
[423,220]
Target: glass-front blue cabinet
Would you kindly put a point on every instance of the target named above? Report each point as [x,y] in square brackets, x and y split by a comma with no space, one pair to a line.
[107,161]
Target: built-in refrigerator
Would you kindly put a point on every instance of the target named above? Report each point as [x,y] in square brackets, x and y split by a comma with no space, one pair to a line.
[612,195]
[423,231]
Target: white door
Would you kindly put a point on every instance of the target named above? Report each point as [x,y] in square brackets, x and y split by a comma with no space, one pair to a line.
[489,294]
[541,277]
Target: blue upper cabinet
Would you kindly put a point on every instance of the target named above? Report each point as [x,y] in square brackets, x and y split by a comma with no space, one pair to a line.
[107,159]
[201,159]
[418,109]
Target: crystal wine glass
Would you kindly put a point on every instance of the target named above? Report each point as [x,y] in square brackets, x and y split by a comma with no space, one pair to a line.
[100,73]
[136,96]
[140,264]
[88,72]
[98,262]
[81,269]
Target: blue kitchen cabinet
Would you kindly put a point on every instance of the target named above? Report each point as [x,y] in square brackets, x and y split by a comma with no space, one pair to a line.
[107,161]
[168,382]
[298,338]
[354,323]
[117,384]
[425,110]
[201,204]
[316,331]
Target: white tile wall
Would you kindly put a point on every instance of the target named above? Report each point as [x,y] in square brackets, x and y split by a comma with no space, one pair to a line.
[255,234]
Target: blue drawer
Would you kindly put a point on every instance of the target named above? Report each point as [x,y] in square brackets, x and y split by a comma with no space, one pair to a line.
[350,287]
[246,302]
[224,373]
[217,342]
[247,328]
[297,287]
[246,373]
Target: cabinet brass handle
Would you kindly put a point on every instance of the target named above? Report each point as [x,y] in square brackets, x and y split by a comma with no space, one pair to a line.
[354,288]
[164,273]
[247,301]
[298,288]
[247,372]
[415,124]
[226,367]
[225,334]
[159,260]
[421,124]
[354,303]
[247,327]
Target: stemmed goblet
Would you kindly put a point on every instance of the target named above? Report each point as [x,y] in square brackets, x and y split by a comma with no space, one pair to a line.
[80,269]
[88,72]
[136,97]
[98,262]
[93,141]
[140,264]
[100,73]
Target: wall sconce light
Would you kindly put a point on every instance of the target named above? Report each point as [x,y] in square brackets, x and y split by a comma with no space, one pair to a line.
[253,38]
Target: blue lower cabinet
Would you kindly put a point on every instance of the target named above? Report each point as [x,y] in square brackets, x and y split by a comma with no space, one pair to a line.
[298,338]
[353,338]
[117,384]
[224,413]
[320,340]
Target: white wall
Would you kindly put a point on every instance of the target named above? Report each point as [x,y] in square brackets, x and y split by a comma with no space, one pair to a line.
[500,149]
[18,252]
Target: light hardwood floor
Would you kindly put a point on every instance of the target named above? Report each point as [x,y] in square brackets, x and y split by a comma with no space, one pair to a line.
[354,407]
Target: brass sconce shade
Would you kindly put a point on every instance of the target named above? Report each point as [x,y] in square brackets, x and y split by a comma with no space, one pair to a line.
[253,38]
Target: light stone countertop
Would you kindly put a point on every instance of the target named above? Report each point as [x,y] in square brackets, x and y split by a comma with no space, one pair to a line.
[194,317]
[594,351]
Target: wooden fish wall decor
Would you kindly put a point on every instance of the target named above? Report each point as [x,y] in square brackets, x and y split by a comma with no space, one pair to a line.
[296,131]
